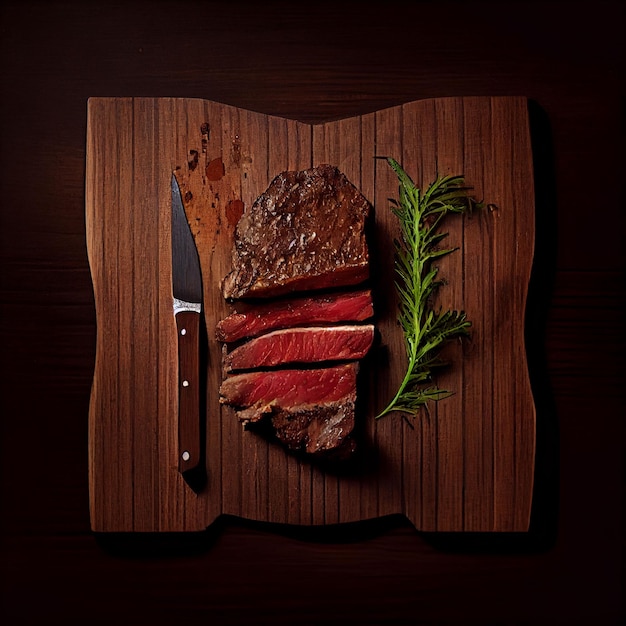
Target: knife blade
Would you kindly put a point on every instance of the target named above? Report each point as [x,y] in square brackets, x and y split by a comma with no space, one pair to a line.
[187,301]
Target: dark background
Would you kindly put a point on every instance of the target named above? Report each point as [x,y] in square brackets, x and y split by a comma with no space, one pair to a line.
[313,62]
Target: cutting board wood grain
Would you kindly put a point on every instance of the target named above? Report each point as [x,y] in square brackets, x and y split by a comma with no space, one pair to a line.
[466,465]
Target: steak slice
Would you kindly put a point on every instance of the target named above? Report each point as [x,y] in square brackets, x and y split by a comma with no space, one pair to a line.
[254,320]
[305,232]
[262,392]
[309,410]
[302,345]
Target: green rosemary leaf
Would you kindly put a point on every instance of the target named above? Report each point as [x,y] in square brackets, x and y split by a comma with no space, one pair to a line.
[439,253]
[425,331]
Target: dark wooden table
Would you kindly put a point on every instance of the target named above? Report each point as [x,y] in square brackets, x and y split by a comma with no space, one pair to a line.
[312,62]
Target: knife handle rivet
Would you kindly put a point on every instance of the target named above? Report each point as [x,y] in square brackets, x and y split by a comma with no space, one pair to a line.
[185,455]
[185,383]
[183,331]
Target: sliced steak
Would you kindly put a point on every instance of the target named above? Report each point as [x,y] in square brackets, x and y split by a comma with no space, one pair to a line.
[302,345]
[261,392]
[305,232]
[329,309]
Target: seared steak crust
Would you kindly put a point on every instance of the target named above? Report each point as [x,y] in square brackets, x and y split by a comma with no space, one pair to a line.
[305,232]
[315,429]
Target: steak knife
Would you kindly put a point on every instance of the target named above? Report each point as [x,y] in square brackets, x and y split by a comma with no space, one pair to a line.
[187,298]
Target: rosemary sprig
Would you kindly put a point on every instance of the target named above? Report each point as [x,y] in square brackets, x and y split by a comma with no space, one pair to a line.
[425,330]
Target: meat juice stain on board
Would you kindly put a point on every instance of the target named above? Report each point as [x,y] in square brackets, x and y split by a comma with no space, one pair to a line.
[234,210]
[205,132]
[215,169]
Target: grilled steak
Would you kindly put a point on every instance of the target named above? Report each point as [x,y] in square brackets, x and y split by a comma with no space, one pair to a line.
[302,345]
[305,232]
[329,309]
[261,392]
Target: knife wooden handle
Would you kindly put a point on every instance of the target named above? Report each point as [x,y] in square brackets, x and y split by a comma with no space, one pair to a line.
[189,390]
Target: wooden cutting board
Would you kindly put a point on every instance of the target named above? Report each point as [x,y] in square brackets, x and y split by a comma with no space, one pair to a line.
[467,465]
